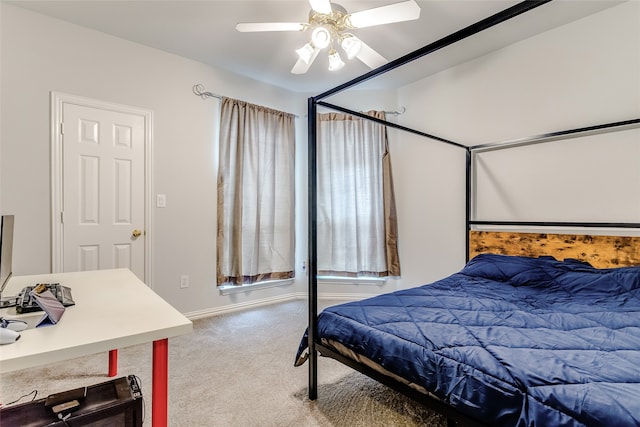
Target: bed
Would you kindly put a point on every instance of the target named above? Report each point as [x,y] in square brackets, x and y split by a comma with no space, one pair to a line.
[507,341]
[538,328]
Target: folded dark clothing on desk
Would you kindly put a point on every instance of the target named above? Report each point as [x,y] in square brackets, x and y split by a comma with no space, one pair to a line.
[26,303]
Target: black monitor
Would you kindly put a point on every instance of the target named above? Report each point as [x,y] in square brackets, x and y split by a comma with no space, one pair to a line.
[6,257]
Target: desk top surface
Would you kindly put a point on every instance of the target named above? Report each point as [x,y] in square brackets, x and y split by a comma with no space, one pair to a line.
[114,309]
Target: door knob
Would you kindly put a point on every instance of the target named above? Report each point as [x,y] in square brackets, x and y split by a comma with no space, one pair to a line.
[136,233]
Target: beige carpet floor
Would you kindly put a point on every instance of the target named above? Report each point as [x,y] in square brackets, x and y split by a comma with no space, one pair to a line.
[237,370]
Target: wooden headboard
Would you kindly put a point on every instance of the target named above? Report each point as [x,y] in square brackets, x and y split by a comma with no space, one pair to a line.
[599,251]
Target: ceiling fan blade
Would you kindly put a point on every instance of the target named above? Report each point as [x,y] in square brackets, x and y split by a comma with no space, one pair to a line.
[370,57]
[302,66]
[249,27]
[398,12]
[321,6]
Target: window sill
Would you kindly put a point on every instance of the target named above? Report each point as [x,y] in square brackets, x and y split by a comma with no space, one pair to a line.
[378,281]
[234,289]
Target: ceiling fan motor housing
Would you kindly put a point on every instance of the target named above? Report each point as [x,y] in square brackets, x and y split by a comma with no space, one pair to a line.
[336,22]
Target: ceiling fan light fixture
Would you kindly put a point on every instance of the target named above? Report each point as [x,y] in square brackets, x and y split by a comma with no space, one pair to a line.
[321,37]
[329,24]
[306,52]
[335,62]
[351,45]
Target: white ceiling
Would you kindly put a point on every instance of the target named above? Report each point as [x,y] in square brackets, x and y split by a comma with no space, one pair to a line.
[205,31]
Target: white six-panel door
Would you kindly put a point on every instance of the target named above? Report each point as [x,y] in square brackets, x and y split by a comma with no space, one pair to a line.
[102,214]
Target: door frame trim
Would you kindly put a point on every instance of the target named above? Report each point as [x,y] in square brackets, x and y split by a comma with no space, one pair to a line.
[58,99]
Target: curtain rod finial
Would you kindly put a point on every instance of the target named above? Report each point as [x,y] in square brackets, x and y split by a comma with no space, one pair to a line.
[198,89]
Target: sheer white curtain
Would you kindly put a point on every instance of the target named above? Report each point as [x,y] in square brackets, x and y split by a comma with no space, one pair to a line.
[255,194]
[357,223]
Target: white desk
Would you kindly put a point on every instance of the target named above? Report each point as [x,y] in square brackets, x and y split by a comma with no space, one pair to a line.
[114,309]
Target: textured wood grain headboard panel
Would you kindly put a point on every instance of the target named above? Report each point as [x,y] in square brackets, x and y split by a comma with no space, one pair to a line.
[599,251]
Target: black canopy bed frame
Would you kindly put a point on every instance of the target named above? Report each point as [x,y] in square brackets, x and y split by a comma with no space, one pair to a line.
[315,347]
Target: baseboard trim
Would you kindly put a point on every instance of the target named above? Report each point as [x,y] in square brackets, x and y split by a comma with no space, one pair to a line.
[216,311]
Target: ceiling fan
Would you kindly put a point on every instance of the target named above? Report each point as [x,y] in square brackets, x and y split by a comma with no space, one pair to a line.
[329,24]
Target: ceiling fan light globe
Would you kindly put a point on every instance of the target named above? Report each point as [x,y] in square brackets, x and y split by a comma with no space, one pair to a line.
[335,62]
[306,52]
[351,46]
[321,37]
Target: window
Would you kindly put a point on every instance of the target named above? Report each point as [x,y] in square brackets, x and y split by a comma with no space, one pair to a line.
[255,239]
[357,223]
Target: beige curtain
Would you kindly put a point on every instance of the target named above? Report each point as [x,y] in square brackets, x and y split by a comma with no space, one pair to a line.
[255,239]
[357,222]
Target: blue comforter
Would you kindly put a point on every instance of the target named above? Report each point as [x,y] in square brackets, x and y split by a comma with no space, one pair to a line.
[511,341]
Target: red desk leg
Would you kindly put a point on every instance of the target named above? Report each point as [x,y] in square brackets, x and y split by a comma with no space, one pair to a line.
[160,384]
[113,363]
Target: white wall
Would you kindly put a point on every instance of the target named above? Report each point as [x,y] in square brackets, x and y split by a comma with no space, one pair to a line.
[581,74]
[39,55]
[573,76]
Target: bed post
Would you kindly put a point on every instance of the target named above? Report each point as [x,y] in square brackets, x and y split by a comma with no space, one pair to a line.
[468,202]
[312,267]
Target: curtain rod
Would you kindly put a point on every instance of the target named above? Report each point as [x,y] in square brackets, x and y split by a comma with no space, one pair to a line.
[402,110]
[198,89]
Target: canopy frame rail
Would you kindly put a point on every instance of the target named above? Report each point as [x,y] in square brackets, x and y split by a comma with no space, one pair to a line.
[557,136]
[389,124]
[527,141]
[567,224]
[491,21]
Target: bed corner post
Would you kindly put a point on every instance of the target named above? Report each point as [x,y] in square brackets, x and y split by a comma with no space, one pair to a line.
[312,267]
[469,165]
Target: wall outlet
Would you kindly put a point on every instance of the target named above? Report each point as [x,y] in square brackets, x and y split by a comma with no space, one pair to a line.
[184,281]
